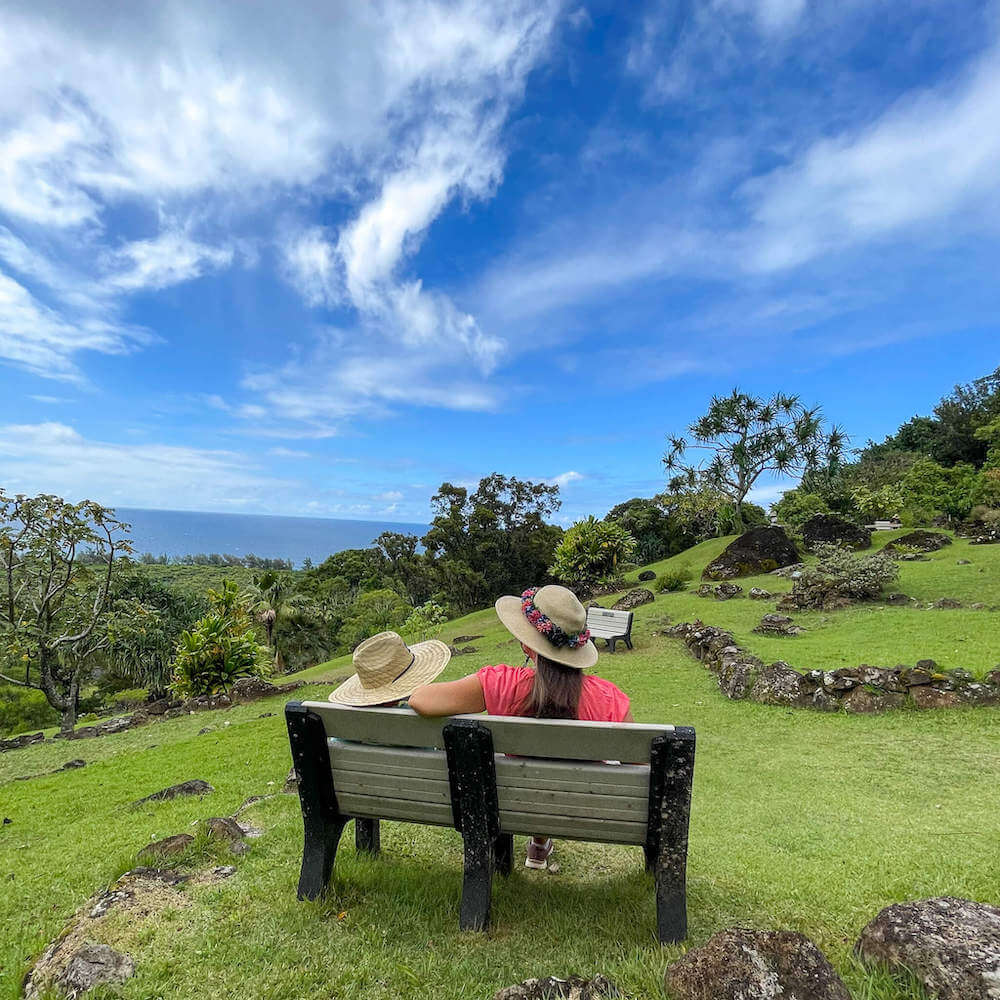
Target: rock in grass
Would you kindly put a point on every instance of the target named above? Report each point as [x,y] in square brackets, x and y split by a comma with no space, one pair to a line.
[951,945]
[634,599]
[922,541]
[226,829]
[831,529]
[727,591]
[93,965]
[646,575]
[166,847]
[194,787]
[741,964]
[551,988]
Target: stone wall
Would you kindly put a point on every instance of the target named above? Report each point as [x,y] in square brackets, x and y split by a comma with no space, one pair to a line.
[854,689]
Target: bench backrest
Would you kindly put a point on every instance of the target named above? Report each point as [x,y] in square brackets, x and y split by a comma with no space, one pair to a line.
[604,622]
[389,764]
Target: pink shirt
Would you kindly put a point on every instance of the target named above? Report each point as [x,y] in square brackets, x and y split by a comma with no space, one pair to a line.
[507,689]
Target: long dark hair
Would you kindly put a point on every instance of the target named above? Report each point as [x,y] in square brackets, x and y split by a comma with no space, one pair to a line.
[556,691]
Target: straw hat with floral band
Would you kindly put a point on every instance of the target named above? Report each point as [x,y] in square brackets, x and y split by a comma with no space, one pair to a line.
[389,670]
[551,621]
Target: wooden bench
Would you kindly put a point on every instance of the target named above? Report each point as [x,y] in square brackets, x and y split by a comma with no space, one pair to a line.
[611,626]
[884,526]
[369,764]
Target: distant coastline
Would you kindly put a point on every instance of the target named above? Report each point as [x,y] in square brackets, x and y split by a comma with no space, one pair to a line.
[177,533]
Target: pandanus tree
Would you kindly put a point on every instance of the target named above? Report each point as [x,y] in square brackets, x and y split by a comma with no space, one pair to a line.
[57,561]
[742,438]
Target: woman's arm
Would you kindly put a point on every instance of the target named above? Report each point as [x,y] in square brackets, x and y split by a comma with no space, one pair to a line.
[449,697]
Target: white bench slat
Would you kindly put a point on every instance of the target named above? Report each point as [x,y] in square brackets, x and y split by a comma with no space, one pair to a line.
[559,738]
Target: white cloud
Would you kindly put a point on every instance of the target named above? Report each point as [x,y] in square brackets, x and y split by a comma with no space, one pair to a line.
[55,458]
[933,155]
[310,266]
[168,259]
[565,478]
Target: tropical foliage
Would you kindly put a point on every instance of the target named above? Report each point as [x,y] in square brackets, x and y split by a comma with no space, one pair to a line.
[592,552]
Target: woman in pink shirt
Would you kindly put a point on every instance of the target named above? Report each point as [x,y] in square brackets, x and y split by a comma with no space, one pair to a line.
[551,625]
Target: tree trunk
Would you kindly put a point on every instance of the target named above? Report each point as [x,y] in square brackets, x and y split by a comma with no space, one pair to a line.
[68,722]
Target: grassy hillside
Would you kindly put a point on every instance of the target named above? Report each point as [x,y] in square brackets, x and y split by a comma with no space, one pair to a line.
[800,820]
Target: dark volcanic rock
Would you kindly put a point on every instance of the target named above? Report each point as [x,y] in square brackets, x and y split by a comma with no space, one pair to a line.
[226,829]
[93,964]
[459,639]
[727,591]
[923,541]
[760,550]
[951,945]
[553,988]
[739,964]
[760,594]
[164,848]
[194,787]
[634,599]
[931,697]
[777,684]
[646,575]
[899,600]
[834,530]
[775,624]
[705,590]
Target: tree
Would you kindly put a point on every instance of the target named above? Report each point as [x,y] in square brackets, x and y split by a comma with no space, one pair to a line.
[220,649]
[410,571]
[145,623]
[746,438]
[54,602]
[705,513]
[592,552]
[796,507]
[936,489]
[268,591]
[649,524]
[374,611]
[496,539]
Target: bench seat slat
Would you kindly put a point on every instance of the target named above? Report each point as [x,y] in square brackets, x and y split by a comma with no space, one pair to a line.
[545,738]
[600,831]
[598,807]
[415,789]
[380,807]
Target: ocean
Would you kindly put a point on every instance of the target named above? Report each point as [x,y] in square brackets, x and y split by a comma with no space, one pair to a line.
[179,532]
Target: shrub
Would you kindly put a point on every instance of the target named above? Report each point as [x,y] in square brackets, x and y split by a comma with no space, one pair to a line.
[128,698]
[424,620]
[840,576]
[876,505]
[220,649]
[795,507]
[674,579]
[374,611]
[23,710]
[592,551]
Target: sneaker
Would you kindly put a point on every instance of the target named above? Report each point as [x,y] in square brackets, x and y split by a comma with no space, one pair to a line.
[538,854]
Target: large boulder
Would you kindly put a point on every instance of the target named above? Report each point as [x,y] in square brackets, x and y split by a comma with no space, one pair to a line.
[951,945]
[760,550]
[922,541]
[834,530]
[740,964]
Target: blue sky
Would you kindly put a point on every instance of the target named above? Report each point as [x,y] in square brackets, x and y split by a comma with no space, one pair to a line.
[320,259]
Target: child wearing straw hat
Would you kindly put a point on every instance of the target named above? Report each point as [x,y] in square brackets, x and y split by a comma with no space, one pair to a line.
[551,625]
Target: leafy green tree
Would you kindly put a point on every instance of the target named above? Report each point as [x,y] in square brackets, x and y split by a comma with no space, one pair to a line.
[649,524]
[374,611]
[495,540]
[220,649]
[57,562]
[409,570]
[700,514]
[145,624]
[796,507]
[986,490]
[425,619]
[929,486]
[745,438]
[591,552]
[884,503]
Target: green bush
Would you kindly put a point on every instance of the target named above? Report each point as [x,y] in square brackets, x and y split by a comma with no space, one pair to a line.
[424,620]
[671,580]
[24,710]
[373,612]
[840,576]
[220,649]
[592,551]
[796,507]
[128,698]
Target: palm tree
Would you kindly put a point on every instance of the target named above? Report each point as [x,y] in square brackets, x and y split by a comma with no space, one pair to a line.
[268,591]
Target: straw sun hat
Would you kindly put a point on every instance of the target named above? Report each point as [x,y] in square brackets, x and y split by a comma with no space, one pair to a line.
[551,621]
[388,669]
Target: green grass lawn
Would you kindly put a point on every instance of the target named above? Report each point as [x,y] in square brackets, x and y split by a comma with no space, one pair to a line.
[800,820]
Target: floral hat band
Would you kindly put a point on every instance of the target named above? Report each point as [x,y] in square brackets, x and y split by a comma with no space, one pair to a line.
[548,628]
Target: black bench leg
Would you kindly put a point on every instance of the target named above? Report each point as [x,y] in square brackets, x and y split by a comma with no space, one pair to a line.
[627,639]
[611,644]
[472,777]
[321,818]
[367,836]
[671,772]
[503,852]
